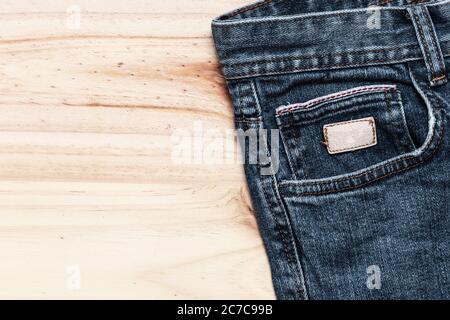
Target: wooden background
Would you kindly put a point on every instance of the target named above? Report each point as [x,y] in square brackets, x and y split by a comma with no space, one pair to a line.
[93,203]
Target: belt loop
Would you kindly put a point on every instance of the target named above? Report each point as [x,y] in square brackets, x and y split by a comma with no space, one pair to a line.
[429,44]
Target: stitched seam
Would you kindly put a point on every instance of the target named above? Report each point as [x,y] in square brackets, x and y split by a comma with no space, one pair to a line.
[335,96]
[323,66]
[306,105]
[365,173]
[376,168]
[259,5]
[397,100]
[366,183]
[440,78]
[288,154]
[391,118]
[239,93]
[255,96]
[248,121]
[302,17]
[318,17]
[372,125]
[436,47]
[278,226]
[301,289]
[341,110]
[243,118]
[384,176]
[346,64]
[291,258]
[357,52]
[283,233]
[424,43]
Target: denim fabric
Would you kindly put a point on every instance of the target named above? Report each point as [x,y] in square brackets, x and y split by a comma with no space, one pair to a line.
[371,223]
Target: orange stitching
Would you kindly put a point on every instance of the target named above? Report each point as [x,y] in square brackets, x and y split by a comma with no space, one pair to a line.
[439,78]
[372,124]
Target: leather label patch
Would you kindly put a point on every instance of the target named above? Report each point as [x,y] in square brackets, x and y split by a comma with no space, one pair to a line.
[350,135]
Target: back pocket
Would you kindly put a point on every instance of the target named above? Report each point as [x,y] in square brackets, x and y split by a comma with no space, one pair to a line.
[344,132]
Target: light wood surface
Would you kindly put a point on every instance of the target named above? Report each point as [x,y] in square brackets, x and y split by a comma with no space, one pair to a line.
[93,203]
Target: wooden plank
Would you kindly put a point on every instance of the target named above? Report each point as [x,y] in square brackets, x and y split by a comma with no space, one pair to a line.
[94,202]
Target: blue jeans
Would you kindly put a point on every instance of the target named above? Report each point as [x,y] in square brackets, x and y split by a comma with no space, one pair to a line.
[351,187]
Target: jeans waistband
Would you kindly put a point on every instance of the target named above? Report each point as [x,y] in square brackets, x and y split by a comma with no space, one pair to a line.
[283,36]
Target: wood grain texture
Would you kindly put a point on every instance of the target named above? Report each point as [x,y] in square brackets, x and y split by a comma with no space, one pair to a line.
[88,181]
